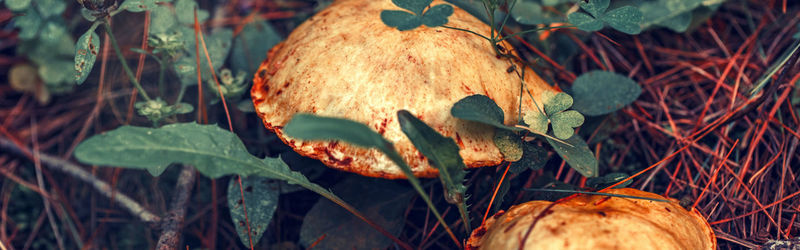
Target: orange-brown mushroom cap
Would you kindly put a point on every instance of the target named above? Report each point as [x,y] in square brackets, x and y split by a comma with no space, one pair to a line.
[345,62]
[596,222]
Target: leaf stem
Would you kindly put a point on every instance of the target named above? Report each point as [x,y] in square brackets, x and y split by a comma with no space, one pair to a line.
[124,62]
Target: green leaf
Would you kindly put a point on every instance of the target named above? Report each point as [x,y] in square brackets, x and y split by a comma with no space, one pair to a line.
[138,5]
[563,122]
[57,71]
[162,19]
[28,24]
[88,15]
[53,32]
[673,14]
[49,8]
[251,45]
[18,5]
[534,157]
[562,101]
[311,127]
[382,201]
[584,21]
[246,106]
[595,7]
[260,200]
[212,151]
[554,2]
[509,143]
[625,19]
[441,151]
[86,51]
[608,180]
[577,155]
[482,109]
[184,9]
[437,15]
[530,13]
[537,122]
[415,6]
[400,19]
[600,92]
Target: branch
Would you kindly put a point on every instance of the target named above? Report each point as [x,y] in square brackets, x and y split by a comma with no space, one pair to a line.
[76,171]
[173,222]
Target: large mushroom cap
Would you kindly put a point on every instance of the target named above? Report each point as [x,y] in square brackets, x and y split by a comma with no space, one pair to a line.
[345,62]
[597,222]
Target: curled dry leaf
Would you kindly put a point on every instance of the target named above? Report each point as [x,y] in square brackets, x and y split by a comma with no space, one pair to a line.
[345,62]
[596,222]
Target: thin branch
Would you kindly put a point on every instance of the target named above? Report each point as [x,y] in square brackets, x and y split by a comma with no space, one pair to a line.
[76,171]
[173,222]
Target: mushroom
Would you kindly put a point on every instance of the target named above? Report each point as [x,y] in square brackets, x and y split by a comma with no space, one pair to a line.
[596,222]
[345,62]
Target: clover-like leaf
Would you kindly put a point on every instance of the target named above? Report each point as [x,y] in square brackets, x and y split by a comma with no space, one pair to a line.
[562,101]
[584,21]
[509,143]
[86,50]
[530,12]
[533,157]
[402,20]
[537,122]
[555,113]
[563,122]
[28,24]
[595,7]
[437,15]
[626,19]
[415,6]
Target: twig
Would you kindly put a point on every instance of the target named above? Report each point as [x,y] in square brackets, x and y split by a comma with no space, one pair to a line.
[76,171]
[173,222]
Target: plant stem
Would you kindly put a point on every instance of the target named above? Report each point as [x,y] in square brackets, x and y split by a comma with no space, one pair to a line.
[466,30]
[161,71]
[534,30]
[124,62]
